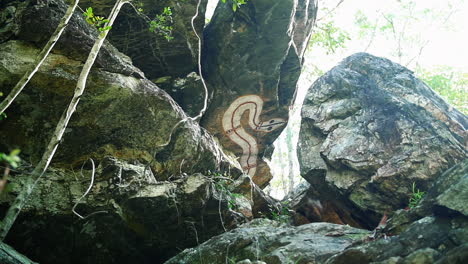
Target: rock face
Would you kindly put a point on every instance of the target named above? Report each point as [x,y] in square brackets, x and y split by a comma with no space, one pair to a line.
[121,114]
[428,233]
[252,61]
[159,193]
[151,52]
[173,65]
[125,209]
[267,241]
[371,129]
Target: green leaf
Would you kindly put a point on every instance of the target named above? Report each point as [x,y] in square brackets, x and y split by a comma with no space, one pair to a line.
[15,152]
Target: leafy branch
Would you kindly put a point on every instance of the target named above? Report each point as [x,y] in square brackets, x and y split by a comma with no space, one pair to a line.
[98,21]
[162,24]
[10,160]
[236,3]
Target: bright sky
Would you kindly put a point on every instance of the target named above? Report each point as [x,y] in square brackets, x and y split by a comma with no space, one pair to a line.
[446,46]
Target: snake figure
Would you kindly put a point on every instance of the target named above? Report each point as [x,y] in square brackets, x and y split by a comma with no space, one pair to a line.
[234,130]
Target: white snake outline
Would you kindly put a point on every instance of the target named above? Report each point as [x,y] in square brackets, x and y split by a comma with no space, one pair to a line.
[236,133]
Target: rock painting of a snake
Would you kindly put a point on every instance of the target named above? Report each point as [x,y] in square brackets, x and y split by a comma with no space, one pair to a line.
[233,128]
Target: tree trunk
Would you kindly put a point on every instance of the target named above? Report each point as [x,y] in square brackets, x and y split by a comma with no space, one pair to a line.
[39,170]
[40,58]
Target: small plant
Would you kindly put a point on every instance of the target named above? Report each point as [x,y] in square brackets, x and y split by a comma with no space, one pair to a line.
[222,186]
[416,196]
[282,214]
[231,260]
[162,24]
[98,21]
[236,4]
[11,159]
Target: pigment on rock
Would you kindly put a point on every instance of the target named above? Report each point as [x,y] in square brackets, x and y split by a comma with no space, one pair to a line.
[262,61]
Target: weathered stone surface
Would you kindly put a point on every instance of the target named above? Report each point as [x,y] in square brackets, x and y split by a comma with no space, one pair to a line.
[119,115]
[151,52]
[308,209]
[188,92]
[35,21]
[369,130]
[267,241]
[425,241]
[125,209]
[427,233]
[442,187]
[123,122]
[252,61]
[455,198]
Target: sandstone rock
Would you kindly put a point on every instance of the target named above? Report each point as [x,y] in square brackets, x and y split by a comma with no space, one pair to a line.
[443,187]
[125,209]
[265,240]
[121,114]
[123,122]
[35,21]
[187,91]
[252,59]
[371,129]
[427,233]
[172,65]
[151,52]
[308,209]
[427,240]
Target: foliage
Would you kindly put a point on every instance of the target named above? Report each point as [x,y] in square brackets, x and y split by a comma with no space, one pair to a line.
[222,185]
[329,36]
[162,24]
[98,21]
[416,196]
[3,116]
[395,29]
[282,214]
[236,3]
[11,159]
[231,260]
[449,83]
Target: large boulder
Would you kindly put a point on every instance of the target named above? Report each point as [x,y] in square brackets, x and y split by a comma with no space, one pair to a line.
[172,64]
[452,184]
[121,114]
[428,240]
[269,242]
[155,181]
[35,21]
[126,215]
[152,52]
[251,61]
[370,129]
[428,233]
